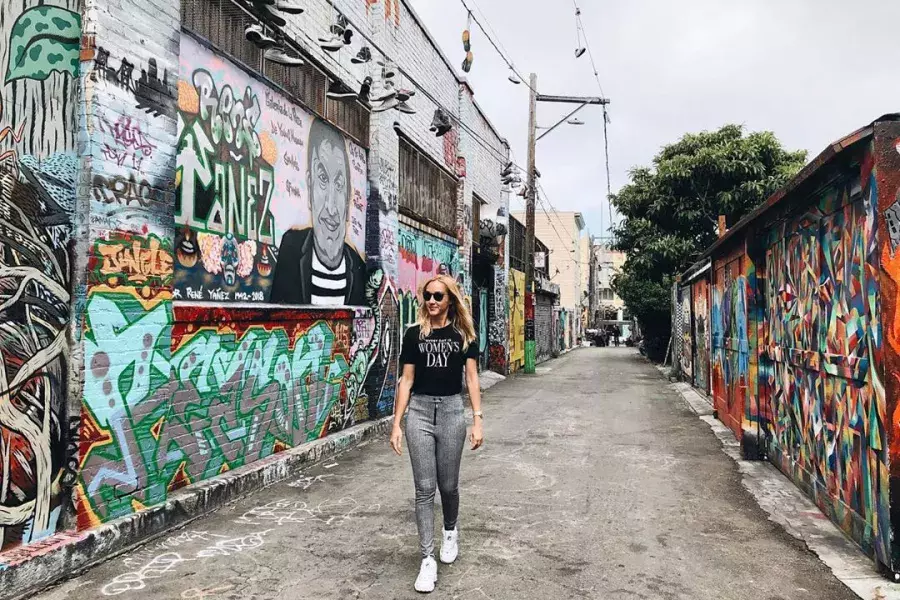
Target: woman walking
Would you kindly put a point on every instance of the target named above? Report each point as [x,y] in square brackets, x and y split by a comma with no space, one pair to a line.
[435,352]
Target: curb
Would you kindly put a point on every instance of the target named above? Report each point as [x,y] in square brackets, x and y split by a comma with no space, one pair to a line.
[786,506]
[28,569]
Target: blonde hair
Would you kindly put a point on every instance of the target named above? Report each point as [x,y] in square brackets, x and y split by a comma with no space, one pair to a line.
[459,314]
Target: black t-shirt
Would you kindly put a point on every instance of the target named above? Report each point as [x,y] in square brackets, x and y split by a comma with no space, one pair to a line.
[439,360]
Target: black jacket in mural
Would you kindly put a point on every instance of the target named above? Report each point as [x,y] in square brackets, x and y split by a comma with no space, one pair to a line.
[292,282]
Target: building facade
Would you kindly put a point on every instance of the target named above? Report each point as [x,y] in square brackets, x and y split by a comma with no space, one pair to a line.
[209,248]
[606,305]
[563,232]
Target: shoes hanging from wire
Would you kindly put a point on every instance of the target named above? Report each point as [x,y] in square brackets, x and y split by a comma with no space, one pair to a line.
[580,48]
[467,45]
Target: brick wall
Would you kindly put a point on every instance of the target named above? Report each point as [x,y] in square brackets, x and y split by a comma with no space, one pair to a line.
[195,345]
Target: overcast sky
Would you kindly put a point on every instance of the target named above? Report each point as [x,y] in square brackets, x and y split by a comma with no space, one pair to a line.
[809,70]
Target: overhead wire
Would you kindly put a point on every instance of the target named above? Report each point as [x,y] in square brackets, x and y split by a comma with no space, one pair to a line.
[540,198]
[587,44]
[498,155]
[582,33]
[508,61]
[491,27]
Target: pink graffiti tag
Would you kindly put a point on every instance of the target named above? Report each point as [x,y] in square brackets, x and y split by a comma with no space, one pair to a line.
[128,141]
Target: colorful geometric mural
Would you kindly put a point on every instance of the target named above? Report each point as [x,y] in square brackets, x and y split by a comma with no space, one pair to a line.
[827,424]
[730,343]
[884,192]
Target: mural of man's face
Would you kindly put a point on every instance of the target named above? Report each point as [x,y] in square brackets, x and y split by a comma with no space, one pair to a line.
[329,200]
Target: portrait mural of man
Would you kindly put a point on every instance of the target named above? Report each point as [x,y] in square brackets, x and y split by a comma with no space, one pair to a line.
[316,265]
[270,200]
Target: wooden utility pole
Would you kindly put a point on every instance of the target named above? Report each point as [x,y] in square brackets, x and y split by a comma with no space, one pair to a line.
[531,192]
[529,230]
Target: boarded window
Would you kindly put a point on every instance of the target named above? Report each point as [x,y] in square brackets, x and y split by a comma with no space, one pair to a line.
[222,22]
[427,192]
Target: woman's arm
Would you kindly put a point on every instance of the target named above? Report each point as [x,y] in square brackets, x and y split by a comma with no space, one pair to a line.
[404,388]
[474,387]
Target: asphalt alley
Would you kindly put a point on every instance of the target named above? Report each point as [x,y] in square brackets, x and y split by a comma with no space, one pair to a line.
[596,481]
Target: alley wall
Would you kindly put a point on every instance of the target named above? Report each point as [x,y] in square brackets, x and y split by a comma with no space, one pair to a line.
[788,332]
[163,235]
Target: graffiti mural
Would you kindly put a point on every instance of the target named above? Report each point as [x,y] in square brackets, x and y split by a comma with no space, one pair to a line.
[39,59]
[516,320]
[132,149]
[828,424]
[181,382]
[422,256]
[124,259]
[543,326]
[687,351]
[271,202]
[700,307]
[175,394]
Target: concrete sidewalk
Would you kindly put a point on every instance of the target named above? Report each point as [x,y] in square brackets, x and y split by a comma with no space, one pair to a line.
[595,482]
[786,505]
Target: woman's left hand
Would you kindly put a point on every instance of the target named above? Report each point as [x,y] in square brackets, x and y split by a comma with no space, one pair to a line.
[476,437]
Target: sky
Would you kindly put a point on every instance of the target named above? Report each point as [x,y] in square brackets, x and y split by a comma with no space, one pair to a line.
[811,71]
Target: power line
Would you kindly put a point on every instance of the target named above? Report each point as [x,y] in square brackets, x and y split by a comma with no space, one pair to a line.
[587,44]
[388,58]
[550,219]
[491,27]
[547,198]
[508,61]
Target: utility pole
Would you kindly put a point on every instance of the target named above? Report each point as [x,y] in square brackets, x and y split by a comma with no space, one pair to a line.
[531,192]
[529,230]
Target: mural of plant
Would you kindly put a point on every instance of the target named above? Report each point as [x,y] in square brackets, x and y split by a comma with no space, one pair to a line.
[44,39]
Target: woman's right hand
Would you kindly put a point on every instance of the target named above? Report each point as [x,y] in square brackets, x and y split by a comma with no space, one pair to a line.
[397,440]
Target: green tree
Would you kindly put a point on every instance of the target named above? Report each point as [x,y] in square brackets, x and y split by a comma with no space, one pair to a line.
[670,213]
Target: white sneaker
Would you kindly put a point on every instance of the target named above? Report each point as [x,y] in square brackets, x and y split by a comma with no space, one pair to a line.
[427,575]
[450,547]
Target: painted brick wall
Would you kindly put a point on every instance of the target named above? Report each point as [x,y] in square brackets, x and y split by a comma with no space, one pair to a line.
[170,382]
[487,154]
[127,148]
[37,203]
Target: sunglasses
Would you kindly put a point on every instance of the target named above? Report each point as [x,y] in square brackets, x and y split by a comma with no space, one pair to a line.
[438,296]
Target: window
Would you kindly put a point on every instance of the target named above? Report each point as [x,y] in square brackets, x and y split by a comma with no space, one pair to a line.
[476,219]
[427,192]
[540,250]
[222,22]
[516,245]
